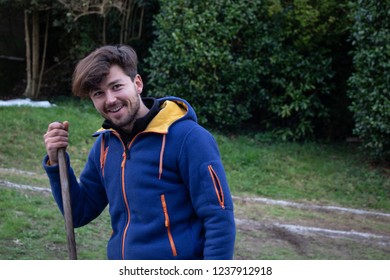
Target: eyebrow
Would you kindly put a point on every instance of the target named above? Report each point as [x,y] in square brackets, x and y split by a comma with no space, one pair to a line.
[115,82]
[109,85]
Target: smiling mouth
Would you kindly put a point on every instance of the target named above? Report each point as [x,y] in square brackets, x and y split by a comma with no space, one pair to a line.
[115,109]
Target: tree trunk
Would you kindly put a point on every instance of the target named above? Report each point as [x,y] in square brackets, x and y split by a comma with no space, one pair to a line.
[35,54]
[27,91]
[123,22]
[32,55]
[128,12]
[141,20]
[104,30]
[43,61]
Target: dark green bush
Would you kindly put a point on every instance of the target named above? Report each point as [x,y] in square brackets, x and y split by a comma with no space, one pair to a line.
[306,89]
[369,84]
[192,58]
[237,61]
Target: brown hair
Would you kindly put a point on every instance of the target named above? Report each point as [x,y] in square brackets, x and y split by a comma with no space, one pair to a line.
[92,69]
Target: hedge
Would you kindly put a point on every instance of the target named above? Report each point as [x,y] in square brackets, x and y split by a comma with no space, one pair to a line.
[263,62]
[370,81]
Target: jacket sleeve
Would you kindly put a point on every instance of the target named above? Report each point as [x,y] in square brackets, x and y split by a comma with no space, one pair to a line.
[203,172]
[88,197]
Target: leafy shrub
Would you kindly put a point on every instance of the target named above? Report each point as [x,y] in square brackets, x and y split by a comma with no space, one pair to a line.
[304,87]
[192,58]
[238,61]
[369,84]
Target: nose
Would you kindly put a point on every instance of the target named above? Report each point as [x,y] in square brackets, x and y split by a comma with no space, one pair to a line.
[110,97]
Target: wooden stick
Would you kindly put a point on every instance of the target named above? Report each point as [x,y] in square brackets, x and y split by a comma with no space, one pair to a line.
[67,205]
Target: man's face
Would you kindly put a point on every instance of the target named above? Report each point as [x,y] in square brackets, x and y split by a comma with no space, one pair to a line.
[118,98]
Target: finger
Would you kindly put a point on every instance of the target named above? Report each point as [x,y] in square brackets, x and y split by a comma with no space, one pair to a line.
[56,142]
[58,125]
[66,125]
[52,135]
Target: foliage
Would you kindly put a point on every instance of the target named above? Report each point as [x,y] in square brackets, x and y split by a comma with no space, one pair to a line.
[305,82]
[262,61]
[371,78]
[193,48]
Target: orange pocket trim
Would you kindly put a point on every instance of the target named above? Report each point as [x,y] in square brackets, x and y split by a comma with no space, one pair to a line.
[217,187]
[168,225]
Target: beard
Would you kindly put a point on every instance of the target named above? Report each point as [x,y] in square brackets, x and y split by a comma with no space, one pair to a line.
[127,118]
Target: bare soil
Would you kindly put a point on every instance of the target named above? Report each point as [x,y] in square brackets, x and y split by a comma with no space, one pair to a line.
[305,231]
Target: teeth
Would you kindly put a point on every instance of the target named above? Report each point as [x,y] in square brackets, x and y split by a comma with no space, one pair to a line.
[116,109]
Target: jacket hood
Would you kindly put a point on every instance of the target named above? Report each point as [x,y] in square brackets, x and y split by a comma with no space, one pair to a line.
[173,109]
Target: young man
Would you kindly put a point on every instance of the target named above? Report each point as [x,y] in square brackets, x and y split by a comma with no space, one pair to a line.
[158,170]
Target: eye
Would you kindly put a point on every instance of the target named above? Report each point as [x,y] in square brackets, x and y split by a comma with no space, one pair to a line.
[117,87]
[96,93]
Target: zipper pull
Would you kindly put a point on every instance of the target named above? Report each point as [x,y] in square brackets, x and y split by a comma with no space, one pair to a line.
[124,159]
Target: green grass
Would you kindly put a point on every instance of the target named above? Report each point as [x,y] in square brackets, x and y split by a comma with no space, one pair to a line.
[31,226]
[321,173]
[22,144]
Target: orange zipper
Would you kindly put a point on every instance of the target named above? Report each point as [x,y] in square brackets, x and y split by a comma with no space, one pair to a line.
[124,157]
[123,192]
[217,187]
[126,204]
[167,225]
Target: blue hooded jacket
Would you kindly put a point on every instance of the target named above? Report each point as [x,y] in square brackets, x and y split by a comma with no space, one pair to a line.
[167,191]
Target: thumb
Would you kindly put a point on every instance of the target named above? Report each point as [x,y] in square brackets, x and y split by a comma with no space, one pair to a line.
[66,125]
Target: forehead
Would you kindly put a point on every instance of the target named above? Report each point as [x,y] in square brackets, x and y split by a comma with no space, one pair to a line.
[114,73]
[114,76]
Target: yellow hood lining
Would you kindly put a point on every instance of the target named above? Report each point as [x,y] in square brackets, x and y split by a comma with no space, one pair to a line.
[170,112]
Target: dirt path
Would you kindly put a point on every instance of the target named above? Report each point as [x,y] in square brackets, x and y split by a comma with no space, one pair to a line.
[278,229]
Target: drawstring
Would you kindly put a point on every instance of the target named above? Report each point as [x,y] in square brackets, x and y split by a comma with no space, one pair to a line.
[160,170]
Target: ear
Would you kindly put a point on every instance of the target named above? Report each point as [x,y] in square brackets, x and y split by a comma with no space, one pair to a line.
[139,85]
